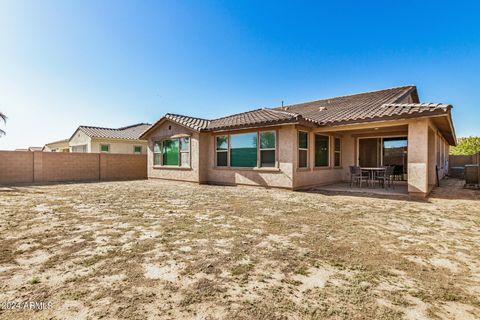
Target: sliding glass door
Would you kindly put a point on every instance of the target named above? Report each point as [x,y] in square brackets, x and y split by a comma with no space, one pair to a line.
[384,151]
[395,154]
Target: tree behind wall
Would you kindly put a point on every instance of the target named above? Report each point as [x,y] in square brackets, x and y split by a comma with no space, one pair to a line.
[466,146]
[3,117]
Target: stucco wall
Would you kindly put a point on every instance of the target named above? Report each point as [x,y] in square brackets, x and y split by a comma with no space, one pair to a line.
[325,175]
[274,177]
[80,138]
[123,146]
[166,130]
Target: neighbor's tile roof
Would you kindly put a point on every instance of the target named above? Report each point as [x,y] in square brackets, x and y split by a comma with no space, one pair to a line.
[132,132]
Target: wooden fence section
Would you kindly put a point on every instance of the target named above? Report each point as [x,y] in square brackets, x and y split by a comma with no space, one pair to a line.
[30,167]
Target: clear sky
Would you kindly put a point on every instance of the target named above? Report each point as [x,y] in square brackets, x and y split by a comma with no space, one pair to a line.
[115,63]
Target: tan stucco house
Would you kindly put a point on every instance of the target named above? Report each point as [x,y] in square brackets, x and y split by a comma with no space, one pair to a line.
[307,144]
[57,146]
[109,140]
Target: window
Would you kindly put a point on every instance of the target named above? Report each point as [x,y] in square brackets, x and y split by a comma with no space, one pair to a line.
[222,151]
[321,151]
[157,154]
[337,156]
[184,152]
[302,149]
[104,148]
[172,152]
[137,149]
[81,148]
[267,148]
[243,150]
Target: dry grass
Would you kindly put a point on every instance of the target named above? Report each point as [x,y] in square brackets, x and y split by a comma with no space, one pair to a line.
[153,249]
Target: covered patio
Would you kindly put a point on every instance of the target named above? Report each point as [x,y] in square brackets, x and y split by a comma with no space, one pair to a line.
[415,148]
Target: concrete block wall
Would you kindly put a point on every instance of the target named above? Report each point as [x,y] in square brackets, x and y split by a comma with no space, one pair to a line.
[40,167]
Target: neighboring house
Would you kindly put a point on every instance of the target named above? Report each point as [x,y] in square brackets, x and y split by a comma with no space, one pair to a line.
[109,140]
[307,144]
[57,146]
[35,148]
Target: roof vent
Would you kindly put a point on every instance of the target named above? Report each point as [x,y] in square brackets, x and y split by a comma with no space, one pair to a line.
[322,108]
[285,108]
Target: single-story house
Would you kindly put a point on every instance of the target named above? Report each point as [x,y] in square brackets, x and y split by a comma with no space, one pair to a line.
[109,140]
[57,146]
[307,144]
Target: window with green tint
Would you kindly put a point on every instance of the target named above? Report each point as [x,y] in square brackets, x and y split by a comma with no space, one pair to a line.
[104,148]
[222,151]
[337,159]
[321,151]
[170,152]
[243,150]
[267,148]
[302,149]
[137,149]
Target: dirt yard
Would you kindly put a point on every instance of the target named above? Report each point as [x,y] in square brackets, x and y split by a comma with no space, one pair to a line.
[169,250]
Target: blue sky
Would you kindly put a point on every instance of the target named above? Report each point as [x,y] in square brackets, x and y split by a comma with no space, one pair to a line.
[114,63]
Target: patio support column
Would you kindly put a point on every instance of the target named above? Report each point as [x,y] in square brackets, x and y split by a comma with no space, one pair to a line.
[418,157]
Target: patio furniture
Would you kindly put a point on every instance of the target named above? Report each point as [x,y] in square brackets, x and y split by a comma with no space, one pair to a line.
[387,176]
[357,176]
[372,172]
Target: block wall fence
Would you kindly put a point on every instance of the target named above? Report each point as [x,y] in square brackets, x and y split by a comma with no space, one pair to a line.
[40,167]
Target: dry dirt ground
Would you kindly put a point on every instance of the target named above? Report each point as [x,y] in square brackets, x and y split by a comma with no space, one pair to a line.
[169,250]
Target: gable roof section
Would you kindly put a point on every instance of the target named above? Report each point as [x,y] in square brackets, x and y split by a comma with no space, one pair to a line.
[132,132]
[360,106]
[363,107]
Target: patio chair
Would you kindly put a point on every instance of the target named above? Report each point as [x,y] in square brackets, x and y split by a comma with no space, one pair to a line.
[386,176]
[357,176]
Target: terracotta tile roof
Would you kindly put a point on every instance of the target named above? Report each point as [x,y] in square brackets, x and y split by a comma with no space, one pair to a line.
[132,132]
[191,122]
[258,117]
[362,107]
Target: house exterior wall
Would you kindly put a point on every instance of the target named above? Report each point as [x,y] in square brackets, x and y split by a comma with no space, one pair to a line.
[118,146]
[167,130]
[304,177]
[57,147]
[79,139]
[426,149]
[281,177]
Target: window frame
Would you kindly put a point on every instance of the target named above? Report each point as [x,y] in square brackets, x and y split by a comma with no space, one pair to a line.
[134,147]
[329,155]
[303,149]
[104,145]
[161,153]
[339,152]
[222,151]
[258,164]
[260,149]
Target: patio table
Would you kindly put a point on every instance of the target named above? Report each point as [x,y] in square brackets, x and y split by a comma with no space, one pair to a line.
[372,171]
